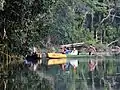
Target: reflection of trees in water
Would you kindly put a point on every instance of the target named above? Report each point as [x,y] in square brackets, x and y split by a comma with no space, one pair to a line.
[111,76]
[63,80]
[20,78]
[104,76]
[71,80]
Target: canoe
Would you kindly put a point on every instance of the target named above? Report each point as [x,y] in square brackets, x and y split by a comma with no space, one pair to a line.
[56,55]
[60,55]
[57,61]
[85,55]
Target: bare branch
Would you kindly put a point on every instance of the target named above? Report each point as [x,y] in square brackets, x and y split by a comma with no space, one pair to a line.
[107,16]
[4,35]
[112,42]
[84,18]
[113,16]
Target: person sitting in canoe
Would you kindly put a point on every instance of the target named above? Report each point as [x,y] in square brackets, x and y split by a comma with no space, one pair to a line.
[35,61]
[31,60]
[28,60]
[66,50]
[62,50]
[74,52]
[91,49]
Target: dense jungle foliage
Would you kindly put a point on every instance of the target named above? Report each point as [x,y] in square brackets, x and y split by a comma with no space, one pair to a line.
[44,23]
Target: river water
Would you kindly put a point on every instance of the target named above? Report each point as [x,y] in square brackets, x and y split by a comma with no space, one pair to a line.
[89,74]
[78,74]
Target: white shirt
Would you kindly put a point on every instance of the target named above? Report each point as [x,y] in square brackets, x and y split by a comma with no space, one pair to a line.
[74,52]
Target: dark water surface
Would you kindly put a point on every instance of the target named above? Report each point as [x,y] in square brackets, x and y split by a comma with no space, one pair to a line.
[105,75]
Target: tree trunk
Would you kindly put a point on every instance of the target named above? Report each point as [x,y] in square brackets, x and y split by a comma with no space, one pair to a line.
[101,36]
[95,33]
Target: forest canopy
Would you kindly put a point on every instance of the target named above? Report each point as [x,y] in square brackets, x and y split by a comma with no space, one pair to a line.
[27,23]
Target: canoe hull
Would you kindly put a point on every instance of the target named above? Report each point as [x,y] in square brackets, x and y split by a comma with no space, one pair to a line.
[56,55]
[59,56]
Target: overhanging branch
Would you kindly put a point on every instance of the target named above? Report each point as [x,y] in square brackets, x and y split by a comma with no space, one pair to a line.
[107,16]
[112,42]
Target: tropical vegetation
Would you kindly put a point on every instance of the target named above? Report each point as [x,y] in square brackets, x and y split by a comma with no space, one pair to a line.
[46,23]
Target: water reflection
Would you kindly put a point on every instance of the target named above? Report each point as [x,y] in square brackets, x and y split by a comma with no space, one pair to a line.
[85,74]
